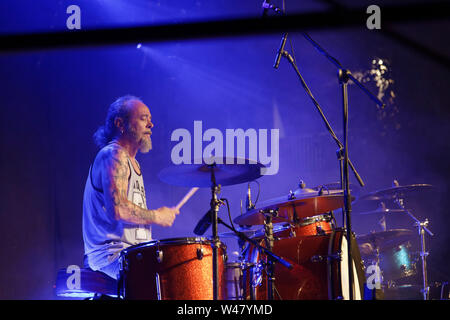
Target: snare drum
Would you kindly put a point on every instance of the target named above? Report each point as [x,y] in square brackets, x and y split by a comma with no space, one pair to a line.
[171,269]
[320,269]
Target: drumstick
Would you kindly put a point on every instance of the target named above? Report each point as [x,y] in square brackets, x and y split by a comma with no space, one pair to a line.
[186,197]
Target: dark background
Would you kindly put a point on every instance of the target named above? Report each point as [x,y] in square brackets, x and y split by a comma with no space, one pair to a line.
[52,101]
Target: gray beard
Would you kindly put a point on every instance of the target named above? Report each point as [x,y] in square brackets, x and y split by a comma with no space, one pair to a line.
[145,145]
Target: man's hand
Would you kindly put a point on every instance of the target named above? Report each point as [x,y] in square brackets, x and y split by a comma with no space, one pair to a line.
[165,216]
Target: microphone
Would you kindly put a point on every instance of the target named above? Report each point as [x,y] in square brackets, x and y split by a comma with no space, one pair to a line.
[280,51]
[203,224]
[248,203]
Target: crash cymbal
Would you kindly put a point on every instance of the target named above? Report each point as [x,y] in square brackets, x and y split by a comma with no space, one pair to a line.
[396,192]
[388,238]
[227,171]
[308,205]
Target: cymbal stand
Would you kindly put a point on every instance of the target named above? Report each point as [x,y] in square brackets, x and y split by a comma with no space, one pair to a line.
[215,203]
[422,226]
[269,239]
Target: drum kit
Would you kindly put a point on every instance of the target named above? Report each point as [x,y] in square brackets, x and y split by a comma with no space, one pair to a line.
[291,247]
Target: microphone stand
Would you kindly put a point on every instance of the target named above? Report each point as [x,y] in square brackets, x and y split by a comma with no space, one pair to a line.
[344,76]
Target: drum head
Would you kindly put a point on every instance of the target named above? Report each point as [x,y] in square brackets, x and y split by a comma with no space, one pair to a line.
[345,274]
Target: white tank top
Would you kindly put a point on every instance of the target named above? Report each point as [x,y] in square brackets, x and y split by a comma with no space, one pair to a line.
[104,237]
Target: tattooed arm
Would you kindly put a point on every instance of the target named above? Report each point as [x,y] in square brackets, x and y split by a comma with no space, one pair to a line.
[114,175]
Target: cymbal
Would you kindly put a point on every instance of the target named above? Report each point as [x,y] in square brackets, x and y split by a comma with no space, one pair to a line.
[388,238]
[227,171]
[248,232]
[335,187]
[395,192]
[309,205]
[384,211]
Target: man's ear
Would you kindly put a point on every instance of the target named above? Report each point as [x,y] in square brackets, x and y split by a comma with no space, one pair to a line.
[119,124]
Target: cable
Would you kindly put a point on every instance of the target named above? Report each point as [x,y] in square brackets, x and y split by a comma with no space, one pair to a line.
[259,190]
[229,213]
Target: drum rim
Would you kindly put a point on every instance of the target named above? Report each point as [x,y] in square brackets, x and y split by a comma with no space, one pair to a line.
[314,219]
[172,241]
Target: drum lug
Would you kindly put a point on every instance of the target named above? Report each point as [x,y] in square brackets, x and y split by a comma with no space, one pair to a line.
[159,256]
[292,233]
[319,258]
[257,275]
[320,231]
[200,253]
[123,264]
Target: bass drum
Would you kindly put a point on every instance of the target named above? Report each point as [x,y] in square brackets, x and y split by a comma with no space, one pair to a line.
[171,269]
[320,269]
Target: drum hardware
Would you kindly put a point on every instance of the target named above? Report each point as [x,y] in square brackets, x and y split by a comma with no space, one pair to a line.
[158,286]
[320,258]
[268,230]
[271,257]
[200,253]
[159,256]
[292,233]
[320,230]
[291,195]
[257,275]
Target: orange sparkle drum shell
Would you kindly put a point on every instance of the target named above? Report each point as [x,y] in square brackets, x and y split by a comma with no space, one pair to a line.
[318,272]
[312,228]
[171,269]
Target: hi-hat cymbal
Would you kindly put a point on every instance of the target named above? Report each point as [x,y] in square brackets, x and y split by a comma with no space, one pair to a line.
[248,232]
[388,238]
[308,205]
[227,171]
[335,187]
[395,192]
